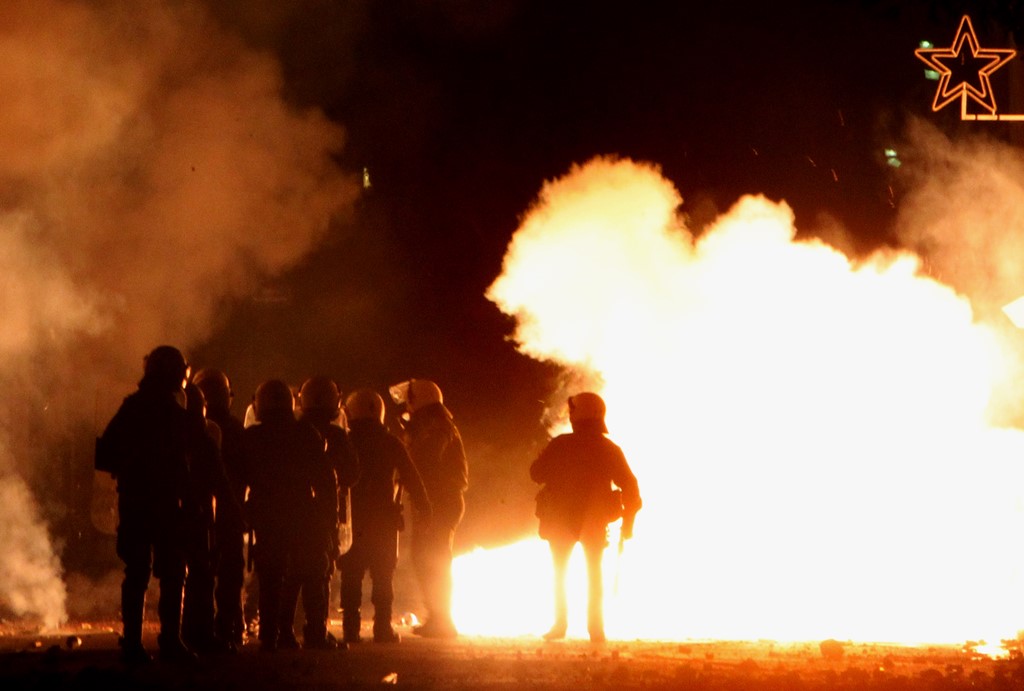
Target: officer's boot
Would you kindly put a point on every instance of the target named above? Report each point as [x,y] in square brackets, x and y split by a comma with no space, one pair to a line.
[560,561]
[133,605]
[383,632]
[558,629]
[595,623]
[171,647]
[351,599]
[595,596]
[350,625]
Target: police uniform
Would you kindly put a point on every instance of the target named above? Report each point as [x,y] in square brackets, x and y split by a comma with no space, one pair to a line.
[576,504]
[292,506]
[385,468]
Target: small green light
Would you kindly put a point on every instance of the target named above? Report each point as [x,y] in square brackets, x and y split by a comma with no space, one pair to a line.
[925,44]
[932,75]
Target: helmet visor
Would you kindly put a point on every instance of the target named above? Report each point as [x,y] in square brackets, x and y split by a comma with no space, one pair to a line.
[400,392]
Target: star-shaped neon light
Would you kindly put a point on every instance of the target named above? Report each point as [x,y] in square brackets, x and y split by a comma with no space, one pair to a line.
[972,66]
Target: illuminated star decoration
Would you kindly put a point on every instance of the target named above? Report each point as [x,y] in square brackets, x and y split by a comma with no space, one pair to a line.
[972,64]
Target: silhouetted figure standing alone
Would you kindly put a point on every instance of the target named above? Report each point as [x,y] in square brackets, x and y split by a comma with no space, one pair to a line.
[578,502]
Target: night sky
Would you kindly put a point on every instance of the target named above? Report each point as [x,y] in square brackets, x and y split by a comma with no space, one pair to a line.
[460,110]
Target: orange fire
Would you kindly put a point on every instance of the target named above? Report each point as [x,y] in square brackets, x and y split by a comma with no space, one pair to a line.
[810,433]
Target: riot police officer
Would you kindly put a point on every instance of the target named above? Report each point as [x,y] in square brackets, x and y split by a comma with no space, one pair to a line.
[436,448]
[229,533]
[211,498]
[376,516]
[292,506]
[578,501]
[146,447]
[320,405]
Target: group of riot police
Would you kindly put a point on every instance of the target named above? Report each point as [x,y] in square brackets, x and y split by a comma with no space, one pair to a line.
[202,495]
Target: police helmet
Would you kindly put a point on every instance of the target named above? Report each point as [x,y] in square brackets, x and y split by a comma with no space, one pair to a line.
[416,394]
[320,393]
[365,404]
[273,398]
[216,387]
[587,406]
[166,366]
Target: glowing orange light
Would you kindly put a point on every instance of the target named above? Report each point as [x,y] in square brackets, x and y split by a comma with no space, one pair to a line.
[811,434]
[965,46]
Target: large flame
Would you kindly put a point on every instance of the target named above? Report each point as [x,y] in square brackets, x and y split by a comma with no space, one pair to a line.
[809,433]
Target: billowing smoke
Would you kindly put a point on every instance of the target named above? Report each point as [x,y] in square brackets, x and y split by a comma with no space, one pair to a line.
[29,569]
[150,171]
[963,212]
[812,433]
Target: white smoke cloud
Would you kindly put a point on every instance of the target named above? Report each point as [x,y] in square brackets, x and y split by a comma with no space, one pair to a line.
[150,170]
[30,583]
[49,305]
[964,212]
[569,268]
